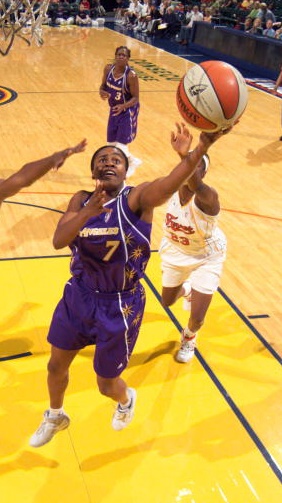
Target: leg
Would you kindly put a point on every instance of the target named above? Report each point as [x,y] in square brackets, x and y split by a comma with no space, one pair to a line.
[117,389]
[126,133]
[171,294]
[58,375]
[55,418]
[114,347]
[114,388]
[199,305]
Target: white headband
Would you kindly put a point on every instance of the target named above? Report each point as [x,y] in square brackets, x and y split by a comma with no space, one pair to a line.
[206,160]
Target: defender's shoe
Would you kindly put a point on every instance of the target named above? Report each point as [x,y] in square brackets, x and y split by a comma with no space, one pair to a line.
[122,417]
[187,349]
[48,428]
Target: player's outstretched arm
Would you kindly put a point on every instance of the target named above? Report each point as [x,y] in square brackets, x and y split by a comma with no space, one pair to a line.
[154,194]
[32,171]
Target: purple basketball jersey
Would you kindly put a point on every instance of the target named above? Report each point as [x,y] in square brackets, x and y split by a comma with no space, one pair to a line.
[112,249]
[123,127]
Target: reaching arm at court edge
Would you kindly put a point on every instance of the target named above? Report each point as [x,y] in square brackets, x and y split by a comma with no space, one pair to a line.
[32,171]
[278,82]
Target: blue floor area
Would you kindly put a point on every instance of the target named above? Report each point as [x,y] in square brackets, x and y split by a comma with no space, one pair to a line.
[171,45]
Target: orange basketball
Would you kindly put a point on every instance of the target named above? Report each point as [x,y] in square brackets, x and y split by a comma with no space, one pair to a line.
[212,96]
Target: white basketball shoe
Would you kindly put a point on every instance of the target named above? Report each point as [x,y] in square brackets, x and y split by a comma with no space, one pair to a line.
[48,428]
[122,417]
[187,348]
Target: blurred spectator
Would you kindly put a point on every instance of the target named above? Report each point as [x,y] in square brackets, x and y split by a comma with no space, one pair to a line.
[265,14]
[132,14]
[256,29]
[155,20]
[246,5]
[170,23]
[83,17]
[63,14]
[185,31]
[254,11]
[85,3]
[278,34]
[248,23]
[144,16]
[120,9]
[207,14]
[164,4]
[96,9]
[52,12]
[269,31]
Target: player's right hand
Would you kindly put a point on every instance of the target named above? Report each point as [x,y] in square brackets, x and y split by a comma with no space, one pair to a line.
[181,139]
[104,95]
[97,200]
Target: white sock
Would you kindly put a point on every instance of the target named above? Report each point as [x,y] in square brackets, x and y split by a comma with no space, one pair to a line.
[188,334]
[123,147]
[55,412]
[127,404]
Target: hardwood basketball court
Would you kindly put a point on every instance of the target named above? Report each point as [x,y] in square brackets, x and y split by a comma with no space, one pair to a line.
[206,432]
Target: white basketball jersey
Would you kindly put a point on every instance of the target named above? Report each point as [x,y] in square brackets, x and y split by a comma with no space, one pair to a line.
[191,230]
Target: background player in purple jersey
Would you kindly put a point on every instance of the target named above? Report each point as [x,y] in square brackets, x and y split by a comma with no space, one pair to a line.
[108,231]
[120,86]
[32,171]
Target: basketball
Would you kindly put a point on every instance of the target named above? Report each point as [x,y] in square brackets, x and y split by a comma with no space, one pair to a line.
[212,96]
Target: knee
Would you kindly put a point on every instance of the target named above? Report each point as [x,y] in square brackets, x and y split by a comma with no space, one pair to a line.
[55,368]
[164,302]
[105,386]
[196,322]
[167,299]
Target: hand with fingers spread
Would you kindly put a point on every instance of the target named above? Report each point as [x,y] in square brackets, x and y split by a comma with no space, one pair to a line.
[34,170]
[97,200]
[60,157]
[181,139]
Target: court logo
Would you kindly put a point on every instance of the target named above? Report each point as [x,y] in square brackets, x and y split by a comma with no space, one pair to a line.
[7,95]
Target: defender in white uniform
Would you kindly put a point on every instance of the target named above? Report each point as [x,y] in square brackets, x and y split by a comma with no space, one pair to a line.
[192,251]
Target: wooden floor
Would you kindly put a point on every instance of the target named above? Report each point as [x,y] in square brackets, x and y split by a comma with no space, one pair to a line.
[206,432]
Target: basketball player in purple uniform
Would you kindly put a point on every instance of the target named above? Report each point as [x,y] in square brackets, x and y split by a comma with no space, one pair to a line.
[120,86]
[32,171]
[108,231]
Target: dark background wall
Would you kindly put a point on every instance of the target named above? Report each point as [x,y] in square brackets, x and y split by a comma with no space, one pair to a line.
[109,5]
[253,53]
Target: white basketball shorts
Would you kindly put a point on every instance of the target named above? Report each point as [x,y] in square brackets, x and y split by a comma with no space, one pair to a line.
[203,272]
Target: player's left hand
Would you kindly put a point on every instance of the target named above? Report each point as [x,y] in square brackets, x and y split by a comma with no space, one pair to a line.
[118,109]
